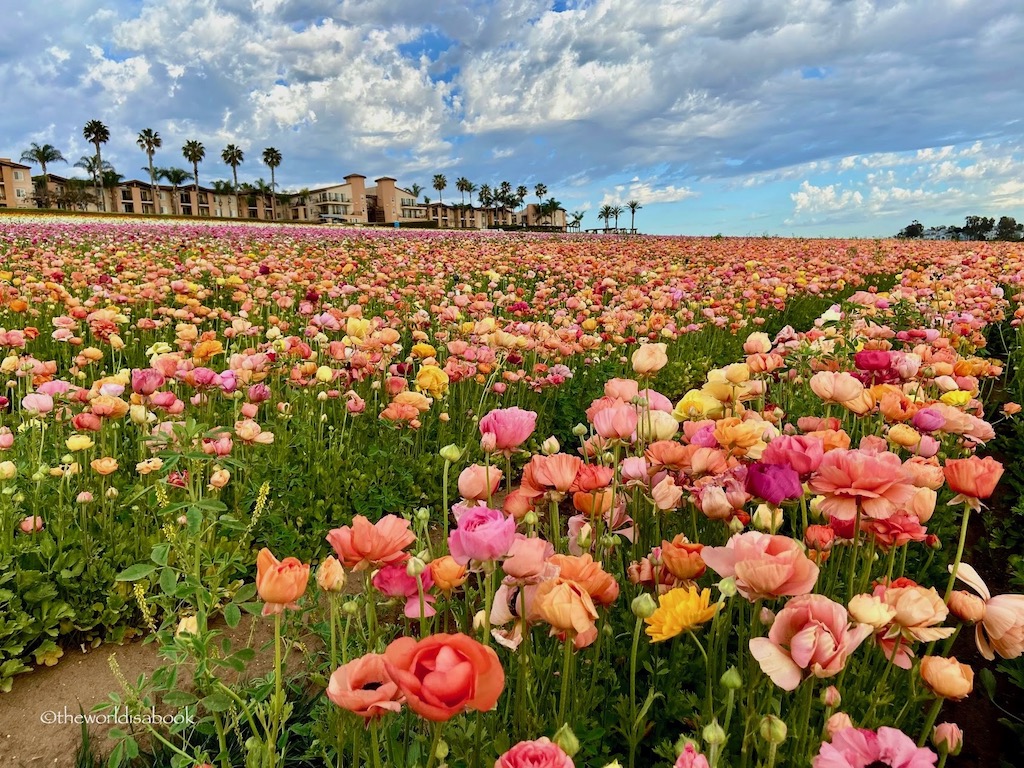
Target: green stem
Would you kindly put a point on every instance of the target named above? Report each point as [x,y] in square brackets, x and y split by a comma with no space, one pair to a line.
[488,600]
[959,552]
[632,689]
[374,743]
[556,526]
[566,667]
[933,713]
[432,757]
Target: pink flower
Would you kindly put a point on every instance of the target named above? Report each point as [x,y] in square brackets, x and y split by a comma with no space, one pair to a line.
[542,753]
[527,558]
[765,566]
[691,758]
[479,482]
[667,494]
[888,748]
[1001,629]
[875,481]
[802,452]
[37,404]
[395,581]
[482,534]
[146,381]
[811,634]
[511,427]
[616,422]
[31,524]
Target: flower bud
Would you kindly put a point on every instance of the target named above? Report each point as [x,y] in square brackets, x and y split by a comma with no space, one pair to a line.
[415,567]
[580,430]
[732,680]
[727,587]
[966,607]
[766,617]
[189,625]
[948,738]
[566,739]
[423,514]
[830,697]
[530,518]
[112,492]
[550,447]
[713,734]
[735,526]
[643,606]
[838,722]
[767,518]
[351,607]
[442,750]
[8,470]
[451,453]
[773,729]
[330,576]
[489,442]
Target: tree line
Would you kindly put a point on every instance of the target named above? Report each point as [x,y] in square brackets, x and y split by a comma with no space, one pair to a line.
[974,228]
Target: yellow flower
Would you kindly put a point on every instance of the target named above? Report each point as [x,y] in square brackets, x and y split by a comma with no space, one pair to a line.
[697,405]
[680,610]
[423,350]
[957,398]
[433,380]
[79,442]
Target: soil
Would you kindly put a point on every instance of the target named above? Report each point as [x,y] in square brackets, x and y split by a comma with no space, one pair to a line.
[83,680]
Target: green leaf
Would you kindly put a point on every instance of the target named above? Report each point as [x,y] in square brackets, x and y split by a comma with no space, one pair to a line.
[160,553]
[168,578]
[232,614]
[245,593]
[194,518]
[135,572]
[179,699]
[217,702]
[988,683]
[131,748]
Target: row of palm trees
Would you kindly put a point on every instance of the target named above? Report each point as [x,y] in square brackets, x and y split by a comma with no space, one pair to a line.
[502,195]
[104,176]
[609,212]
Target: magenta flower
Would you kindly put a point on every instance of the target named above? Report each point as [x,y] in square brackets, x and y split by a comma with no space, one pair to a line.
[511,427]
[774,483]
[482,534]
[394,581]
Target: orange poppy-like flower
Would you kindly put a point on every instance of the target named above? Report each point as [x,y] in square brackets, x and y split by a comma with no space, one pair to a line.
[205,350]
[568,608]
[875,482]
[109,407]
[364,544]
[104,466]
[550,474]
[947,678]
[600,585]
[279,582]
[364,687]
[682,558]
[973,478]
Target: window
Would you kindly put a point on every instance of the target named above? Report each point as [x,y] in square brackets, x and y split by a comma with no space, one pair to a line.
[19,193]
[19,176]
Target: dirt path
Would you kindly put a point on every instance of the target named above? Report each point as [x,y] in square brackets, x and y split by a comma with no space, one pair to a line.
[83,680]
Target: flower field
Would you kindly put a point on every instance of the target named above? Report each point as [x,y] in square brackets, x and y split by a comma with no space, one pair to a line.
[510,500]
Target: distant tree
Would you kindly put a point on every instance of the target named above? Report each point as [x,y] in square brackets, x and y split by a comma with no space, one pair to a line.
[440,184]
[89,164]
[175,177]
[617,210]
[272,159]
[540,190]
[111,180]
[633,206]
[521,193]
[577,218]
[1006,229]
[149,141]
[912,231]
[605,214]
[234,157]
[194,152]
[416,189]
[42,155]
[978,227]
[76,194]
[96,133]
[462,185]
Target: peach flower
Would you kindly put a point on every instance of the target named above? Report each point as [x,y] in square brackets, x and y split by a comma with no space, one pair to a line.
[365,544]
[764,565]
[875,482]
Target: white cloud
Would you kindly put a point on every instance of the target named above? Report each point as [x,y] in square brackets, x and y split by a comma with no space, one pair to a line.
[828,199]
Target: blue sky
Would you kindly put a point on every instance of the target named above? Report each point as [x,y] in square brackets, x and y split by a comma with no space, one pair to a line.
[784,117]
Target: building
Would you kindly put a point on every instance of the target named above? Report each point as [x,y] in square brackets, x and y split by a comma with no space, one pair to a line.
[16,189]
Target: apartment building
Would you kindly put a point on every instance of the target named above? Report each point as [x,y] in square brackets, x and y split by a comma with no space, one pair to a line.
[15,185]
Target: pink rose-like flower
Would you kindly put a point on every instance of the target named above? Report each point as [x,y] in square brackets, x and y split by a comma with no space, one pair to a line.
[146,381]
[812,634]
[395,581]
[542,753]
[764,565]
[479,482]
[527,558]
[803,453]
[482,534]
[875,481]
[511,427]
[31,524]
[691,758]
[37,404]
[858,747]
[616,422]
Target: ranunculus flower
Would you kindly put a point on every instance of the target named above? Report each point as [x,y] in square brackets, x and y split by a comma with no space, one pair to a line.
[802,452]
[330,576]
[478,481]
[568,608]
[649,358]
[835,387]
[1001,628]
[947,677]
[146,381]
[875,481]
[810,635]
[691,758]
[511,427]
[682,558]
[542,753]
[973,478]
[527,558]
[918,611]
[279,582]
[104,466]
[775,483]
[443,675]
[553,475]
[448,575]
[365,544]
[482,534]
[37,404]
[667,494]
[364,687]
[31,524]
[858,748]
[600,585]
[764,565]
[394,581]
[617,421]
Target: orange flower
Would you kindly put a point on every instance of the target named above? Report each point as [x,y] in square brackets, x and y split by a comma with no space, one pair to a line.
[682,558]
[649,358]
[448,575]
[104,466]
[279,582]
[973,478]
[594,503]
[550,474]
[109,407]
[205,350]
[330,576]
[600,585]
[365,545]
[947,678]
[364,687]
[568,608]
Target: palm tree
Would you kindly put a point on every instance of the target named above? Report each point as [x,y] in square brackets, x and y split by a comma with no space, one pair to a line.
[194,152]
[485,196]
[440,184]
[577,218]
[76,194]
[41,155]
[111,180]
[415,189]
[462,184]
[540,190]
[89,165]
[521,193]
[549,208]
[234,157]
[263,189]
[605,214]
[149,141]
[175,177]
[616,212]
[272,159]
[96,133]
[633,206]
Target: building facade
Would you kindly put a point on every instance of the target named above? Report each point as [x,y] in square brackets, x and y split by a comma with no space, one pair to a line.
[16,189]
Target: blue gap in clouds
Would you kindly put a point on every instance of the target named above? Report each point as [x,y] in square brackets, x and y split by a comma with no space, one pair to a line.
[816,73]
[431,42]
